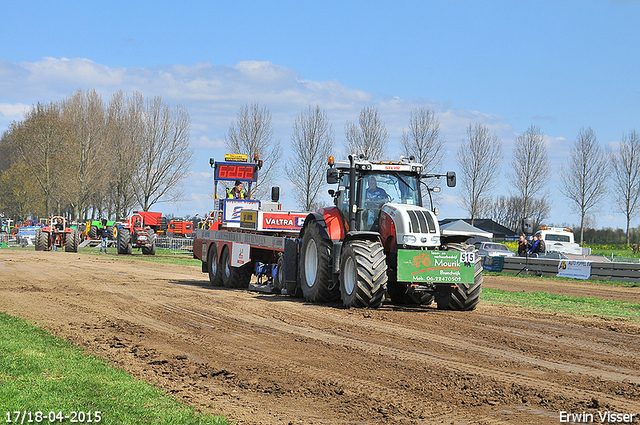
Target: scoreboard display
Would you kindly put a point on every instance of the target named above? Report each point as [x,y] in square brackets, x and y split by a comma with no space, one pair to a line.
[235,171]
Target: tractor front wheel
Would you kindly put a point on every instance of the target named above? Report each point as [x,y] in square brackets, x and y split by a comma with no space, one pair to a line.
[363,274]
[151,248]
[71,241]
[315,257]
[42,240]
[124,241]
[93,232]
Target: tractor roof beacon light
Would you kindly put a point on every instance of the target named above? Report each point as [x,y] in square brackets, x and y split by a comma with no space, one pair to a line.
[331,161]
[257,160]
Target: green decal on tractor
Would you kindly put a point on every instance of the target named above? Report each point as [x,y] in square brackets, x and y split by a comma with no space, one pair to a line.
[436,266]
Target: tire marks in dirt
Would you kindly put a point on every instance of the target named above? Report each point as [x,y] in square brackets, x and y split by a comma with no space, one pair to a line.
[451,362]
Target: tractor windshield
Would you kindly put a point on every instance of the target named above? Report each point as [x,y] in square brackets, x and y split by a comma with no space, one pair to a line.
[377,189]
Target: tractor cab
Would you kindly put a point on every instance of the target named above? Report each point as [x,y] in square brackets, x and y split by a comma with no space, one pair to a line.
[364,187]
[374,189]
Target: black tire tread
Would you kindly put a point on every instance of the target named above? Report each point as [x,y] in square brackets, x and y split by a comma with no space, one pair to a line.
[318,291]
[124,241]
[215,276]
[42,240]
[71,241]
[371,266]
[467,296]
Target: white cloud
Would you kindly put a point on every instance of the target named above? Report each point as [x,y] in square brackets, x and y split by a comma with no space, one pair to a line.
[14,111]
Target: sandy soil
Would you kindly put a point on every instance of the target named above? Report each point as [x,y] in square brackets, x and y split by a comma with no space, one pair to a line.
[270,359]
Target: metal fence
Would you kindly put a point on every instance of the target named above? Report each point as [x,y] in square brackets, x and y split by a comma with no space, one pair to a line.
[175,245]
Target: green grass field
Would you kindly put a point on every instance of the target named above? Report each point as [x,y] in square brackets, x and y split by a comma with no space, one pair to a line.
[41,373]
[583,306]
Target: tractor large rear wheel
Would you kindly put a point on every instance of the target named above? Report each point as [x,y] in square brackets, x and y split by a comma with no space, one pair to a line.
[151,248]
[93,232]
[363,274]
[42,240]
[71,241]
[315,270]
[124,241]
[233,277]
[467,295]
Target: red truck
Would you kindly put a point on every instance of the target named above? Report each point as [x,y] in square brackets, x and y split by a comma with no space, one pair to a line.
[180,229]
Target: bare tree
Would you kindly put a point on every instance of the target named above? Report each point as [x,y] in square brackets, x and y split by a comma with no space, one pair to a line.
[530,165]
[625,167]
[165,154]
[40,140]
[369,137]
[311,145]
[252,134]
[583,178]
[479,159]
[85,162]
[123,135]
[423,140]
[20,196]
[508,211]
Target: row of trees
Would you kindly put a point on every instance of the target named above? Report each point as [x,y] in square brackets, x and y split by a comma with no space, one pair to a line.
[589,175]
[81,156]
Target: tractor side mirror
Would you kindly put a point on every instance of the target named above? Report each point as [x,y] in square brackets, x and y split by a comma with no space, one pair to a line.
[333,176]
[451,178]
[275,193]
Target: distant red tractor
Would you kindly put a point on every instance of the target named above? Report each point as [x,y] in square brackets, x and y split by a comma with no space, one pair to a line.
[138,231]
[57,234]
[180,229]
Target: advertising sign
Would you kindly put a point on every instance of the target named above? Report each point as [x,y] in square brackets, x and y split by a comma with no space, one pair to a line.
[282,221]
[233,208]
[436,266]
[576,269]
[240,254]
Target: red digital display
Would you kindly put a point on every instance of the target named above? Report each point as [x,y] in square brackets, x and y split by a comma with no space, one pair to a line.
[226,171]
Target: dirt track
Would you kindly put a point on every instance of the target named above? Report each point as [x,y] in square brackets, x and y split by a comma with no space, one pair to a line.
[268,359]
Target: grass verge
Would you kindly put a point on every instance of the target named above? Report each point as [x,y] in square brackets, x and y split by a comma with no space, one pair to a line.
[563,304]
[39,372]
[564,279]
[163,256]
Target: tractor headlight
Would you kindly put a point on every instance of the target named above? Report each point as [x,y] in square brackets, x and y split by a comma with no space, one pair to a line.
[409,239]
[435,240]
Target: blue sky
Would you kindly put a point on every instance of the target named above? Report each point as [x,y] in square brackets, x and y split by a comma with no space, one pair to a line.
[560,65]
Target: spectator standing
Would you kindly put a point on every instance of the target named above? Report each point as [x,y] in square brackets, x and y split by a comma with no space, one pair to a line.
[523,246]
[104,234]
[534,248]
[542,247]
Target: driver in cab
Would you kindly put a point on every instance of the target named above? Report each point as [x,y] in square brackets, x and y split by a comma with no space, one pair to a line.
[375,193]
